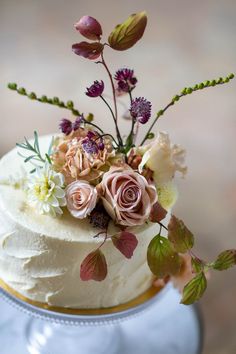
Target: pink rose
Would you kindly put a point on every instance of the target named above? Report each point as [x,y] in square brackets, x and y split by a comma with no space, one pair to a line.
[81,198]
[127,196]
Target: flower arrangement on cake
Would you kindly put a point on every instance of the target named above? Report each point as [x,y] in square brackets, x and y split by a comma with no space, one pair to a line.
[106,177]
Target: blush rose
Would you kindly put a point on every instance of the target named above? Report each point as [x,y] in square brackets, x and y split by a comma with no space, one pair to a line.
[81,198]
[127,196]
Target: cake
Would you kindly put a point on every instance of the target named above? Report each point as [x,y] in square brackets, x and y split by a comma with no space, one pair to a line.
[86,216]
[40,256]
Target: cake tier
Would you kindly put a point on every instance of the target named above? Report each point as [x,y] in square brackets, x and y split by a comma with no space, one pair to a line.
[40,256]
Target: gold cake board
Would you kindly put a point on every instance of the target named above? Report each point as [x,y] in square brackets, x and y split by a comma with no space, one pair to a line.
[147,295]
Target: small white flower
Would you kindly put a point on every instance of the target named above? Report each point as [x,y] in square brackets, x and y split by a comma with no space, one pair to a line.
[45,191]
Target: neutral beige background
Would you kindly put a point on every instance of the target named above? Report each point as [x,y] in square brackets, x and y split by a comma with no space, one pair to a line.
[185,42]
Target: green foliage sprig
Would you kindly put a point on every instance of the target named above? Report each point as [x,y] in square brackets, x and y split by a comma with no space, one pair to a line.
[35,157]
[187,91]
[164,258]
[55,101]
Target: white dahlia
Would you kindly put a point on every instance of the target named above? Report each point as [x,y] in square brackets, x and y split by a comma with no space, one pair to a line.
[46,191]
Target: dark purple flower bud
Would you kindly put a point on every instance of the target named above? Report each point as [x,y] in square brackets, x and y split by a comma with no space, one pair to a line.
[91,135]
[77,122]
[66,126]
[89,27]
[124,74]
[96,89]
[126,79]
[99,217]
[141,109]
[101,146]
[90,146]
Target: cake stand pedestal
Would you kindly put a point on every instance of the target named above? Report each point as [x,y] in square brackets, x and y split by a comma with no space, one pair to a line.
[160,325]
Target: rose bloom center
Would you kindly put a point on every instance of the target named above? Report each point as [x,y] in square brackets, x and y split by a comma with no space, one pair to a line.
[79,198]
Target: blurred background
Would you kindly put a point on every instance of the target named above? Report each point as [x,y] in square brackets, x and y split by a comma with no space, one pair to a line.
[186,42]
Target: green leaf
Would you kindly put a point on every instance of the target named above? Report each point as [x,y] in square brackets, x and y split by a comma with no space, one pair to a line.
[161,257]
[36,141]
[197,265]
[125,35]
[48,159]
[194,289]
[225,260]
[179,235]
[51,146]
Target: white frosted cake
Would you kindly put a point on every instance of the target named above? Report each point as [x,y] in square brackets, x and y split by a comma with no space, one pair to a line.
[40,256]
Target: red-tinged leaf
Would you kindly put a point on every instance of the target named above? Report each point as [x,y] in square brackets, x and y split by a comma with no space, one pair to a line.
[94,266]
[179,235]
[225,260]
[125,242]
[125,35]
[89,27]
[161,257]
[157,213]
[88,50]
[194,289]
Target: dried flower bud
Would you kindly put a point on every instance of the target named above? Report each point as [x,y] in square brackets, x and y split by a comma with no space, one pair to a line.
[96,89]
[89,27]
[141,109]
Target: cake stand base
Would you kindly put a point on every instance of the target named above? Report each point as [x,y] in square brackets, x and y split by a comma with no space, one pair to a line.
[166,327]
[47,338]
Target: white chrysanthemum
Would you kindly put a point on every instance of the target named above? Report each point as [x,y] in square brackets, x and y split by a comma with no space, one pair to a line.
[45,191]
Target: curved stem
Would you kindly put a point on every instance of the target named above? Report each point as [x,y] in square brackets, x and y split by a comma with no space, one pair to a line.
[114,100]
[112,84]
[159,114]
[93,125]
[101,136]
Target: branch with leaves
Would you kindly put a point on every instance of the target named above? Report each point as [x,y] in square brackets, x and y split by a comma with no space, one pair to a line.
[164,259]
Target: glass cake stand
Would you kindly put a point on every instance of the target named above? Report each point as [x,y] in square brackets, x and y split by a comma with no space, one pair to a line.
[158,325]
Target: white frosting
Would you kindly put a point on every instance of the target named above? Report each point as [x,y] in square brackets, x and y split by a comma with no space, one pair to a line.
[40,256]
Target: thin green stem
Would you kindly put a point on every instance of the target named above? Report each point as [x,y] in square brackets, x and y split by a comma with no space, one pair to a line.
[55,101]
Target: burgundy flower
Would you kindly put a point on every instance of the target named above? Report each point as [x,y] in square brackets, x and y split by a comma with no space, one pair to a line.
[89,27]
[78,122]
[141,109]
[96,89]
[66,126]
[126,79]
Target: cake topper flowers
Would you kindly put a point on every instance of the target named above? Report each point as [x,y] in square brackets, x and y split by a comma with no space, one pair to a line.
[107,177]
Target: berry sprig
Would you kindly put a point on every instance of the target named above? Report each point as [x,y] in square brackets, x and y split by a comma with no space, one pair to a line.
[55,101]
[187,91]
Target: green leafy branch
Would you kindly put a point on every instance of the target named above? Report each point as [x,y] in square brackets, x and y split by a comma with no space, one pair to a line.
[164,259]
[35,157]
[186,91]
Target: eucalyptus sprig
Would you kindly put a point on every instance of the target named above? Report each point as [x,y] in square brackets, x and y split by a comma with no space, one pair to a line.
[187,91]
[35,157]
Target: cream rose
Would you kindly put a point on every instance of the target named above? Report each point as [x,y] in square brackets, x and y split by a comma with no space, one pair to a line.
[127,196]
[163,159]
[81,198]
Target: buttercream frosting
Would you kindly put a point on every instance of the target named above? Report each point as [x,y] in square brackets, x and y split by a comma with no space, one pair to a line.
[40,256]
